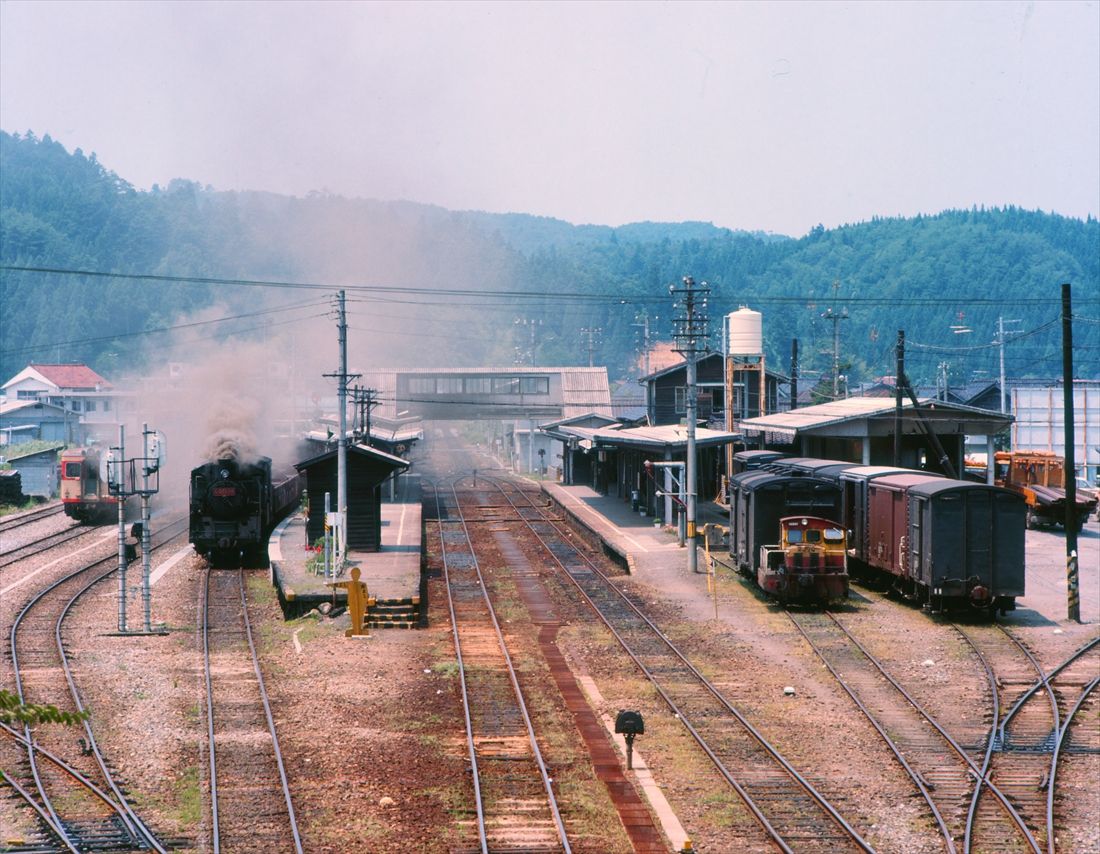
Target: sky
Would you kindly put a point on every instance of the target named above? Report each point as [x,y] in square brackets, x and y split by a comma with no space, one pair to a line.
[757,116]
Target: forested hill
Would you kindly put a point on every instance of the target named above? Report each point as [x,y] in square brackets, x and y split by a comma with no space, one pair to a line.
[962,269]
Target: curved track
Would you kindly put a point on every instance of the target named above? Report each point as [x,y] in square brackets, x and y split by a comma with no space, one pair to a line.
[788,809]
[75,809]
[250,803]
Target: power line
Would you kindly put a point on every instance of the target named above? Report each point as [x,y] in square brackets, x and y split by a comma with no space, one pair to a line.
[571,296]
[163,329]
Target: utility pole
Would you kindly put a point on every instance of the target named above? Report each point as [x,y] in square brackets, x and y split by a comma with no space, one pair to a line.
[794,374]
[1073,600]
[835,317]
[593,333]
[644,325]
[342,377]
[899,380]
[690,333]
[1001,344]
[364,400]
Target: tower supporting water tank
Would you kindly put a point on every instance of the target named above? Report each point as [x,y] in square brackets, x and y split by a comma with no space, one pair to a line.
[744,370]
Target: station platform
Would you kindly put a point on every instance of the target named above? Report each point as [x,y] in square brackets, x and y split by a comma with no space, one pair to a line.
[392,575]
[632,540]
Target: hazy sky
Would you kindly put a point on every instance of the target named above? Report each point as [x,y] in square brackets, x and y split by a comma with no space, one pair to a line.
[773,116]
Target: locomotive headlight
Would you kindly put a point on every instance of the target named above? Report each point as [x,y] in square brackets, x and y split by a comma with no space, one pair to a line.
[224,473]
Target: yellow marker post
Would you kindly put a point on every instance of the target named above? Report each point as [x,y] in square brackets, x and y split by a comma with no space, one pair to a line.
[358,602]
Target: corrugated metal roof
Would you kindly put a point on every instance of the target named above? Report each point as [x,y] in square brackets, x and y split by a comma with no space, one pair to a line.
[849,409]
[668,435]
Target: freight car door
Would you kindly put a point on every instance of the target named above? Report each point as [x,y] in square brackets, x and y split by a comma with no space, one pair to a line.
[979,535]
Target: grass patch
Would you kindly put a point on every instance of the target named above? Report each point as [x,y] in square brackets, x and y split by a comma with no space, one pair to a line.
[189,798]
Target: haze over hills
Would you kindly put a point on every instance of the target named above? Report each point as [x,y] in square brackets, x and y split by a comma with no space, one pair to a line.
[528,288]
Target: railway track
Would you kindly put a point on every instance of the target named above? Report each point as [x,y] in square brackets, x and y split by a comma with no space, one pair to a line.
[249,794]
[515,804]
[18,520]
[78,802]
[991,792]
[1029,727]
[784,807]
[35,547]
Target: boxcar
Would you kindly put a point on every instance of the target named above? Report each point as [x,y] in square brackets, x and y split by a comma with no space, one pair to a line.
[854,483]
[888,521]
[966,543]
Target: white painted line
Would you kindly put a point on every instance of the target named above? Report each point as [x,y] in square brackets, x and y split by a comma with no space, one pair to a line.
[158,573]
[401,524]
[66,556]
[274,550]
[669,822]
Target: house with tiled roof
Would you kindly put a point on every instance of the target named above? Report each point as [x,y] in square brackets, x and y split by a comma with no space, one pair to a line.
[83,395]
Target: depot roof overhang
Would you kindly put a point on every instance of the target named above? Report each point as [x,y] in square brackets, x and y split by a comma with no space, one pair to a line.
[672,437]
[859,417]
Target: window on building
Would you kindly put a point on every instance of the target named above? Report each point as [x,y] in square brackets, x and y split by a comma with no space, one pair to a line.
[534,385]
[76,406]
[421,385]
[89,406]
[505,385]
[681,400]
[106,406]
[448,385]
[479,385]
[27,394]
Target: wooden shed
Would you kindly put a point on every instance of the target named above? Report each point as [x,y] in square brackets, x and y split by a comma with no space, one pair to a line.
[367,469]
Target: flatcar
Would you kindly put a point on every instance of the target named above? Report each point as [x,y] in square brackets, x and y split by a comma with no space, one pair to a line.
[809,564]
[234,507]
[84,493]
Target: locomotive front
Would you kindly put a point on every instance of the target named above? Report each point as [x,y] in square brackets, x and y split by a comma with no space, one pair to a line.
[226,517]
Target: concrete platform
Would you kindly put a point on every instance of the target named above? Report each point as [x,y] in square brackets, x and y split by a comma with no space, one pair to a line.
[392,575]
[629,538]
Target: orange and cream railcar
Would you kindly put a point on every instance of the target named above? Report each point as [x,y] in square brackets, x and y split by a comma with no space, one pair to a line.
[84,491]
[809,565]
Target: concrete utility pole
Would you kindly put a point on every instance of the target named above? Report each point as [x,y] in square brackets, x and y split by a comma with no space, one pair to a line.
[690,333]
[1001,344]
[342,445]
[898,384]
[342,378]
[794,375]
[593,333]
[835,317]
[644,326]
[1073,599]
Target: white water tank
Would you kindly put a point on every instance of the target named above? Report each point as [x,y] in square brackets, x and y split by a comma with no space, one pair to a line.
[746,337]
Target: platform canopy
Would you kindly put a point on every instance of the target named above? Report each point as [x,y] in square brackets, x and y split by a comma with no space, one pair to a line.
[670,437]
[869,417]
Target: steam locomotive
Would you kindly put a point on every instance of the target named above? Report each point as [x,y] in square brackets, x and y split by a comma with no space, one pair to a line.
[234,507]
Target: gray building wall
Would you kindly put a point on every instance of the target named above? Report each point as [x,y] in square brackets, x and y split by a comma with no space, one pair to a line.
[1040,423]
[39,473]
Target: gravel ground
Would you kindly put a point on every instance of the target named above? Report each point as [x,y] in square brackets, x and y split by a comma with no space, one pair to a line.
[372,732]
